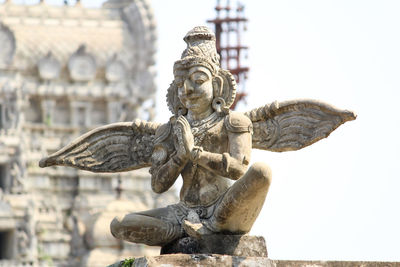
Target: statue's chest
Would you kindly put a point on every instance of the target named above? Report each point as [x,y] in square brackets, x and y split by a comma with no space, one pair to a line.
[214,139]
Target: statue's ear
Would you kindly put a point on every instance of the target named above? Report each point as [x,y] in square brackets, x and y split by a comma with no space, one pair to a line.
[218,83]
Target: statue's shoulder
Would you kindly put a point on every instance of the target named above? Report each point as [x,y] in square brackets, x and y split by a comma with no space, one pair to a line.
[237,122]
[163,132]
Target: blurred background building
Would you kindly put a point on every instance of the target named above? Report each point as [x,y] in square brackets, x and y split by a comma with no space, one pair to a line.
[63,71]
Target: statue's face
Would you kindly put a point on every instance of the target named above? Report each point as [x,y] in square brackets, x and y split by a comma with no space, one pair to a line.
[195,89]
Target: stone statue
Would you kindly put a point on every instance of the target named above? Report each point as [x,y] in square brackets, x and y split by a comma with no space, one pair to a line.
[205,143]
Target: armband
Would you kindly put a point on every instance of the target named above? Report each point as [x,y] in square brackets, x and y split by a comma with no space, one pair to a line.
[195,153]
[226,161]
[236,122]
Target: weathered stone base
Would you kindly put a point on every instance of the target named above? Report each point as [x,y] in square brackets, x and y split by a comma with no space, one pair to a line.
[234,245]
[278,263]
[199,260]
[207,260]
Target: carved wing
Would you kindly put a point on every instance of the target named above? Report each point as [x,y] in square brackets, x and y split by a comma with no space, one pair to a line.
[116,147]
[293,125]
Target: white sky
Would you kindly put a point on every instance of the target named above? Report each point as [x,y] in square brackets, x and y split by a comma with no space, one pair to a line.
[339,198]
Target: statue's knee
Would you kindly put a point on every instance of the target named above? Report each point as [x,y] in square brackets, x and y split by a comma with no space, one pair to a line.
[115,226]
[261,173]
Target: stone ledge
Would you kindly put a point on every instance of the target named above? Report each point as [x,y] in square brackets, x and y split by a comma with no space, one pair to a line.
[211,260]
[288,263]
[199,260]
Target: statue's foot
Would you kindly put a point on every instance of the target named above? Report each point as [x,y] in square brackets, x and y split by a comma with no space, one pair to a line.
[196,230]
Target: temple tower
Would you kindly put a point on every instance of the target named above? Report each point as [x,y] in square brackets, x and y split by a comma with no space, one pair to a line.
[63,71]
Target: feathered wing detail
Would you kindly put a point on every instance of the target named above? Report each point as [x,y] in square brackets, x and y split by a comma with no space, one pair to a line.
[293,125]
[116,147]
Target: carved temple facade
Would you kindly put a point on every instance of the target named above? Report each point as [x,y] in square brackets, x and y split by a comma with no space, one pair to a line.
[63,71]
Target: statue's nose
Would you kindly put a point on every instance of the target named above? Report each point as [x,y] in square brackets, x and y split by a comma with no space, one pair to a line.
[188,87]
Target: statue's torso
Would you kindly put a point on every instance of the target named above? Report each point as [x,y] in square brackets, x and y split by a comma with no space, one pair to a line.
[202,187]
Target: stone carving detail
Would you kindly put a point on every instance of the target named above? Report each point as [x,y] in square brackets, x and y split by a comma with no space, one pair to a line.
[292,125]
[115,70]
[120,137]
[22,243]
[205,143]
[18,172]
[10,110]
[82,65]
[7,41]
[49,67]
[26,236]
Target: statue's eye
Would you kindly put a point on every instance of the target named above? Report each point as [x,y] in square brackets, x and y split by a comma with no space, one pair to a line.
[179,84]
[198,77]
[199,81]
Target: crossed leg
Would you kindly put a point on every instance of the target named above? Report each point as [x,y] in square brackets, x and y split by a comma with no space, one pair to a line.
[242,203]
[155,227]
[236,213]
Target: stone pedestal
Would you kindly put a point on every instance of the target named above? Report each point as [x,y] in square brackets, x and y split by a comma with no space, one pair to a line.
[200,260]
[234,245]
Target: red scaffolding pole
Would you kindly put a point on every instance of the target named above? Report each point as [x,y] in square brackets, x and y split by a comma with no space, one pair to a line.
[228,27]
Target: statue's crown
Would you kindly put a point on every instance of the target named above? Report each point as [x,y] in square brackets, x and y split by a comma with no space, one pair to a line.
[200,50]
[199,33]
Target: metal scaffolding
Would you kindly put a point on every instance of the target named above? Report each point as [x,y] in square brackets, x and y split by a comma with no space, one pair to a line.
[228,27]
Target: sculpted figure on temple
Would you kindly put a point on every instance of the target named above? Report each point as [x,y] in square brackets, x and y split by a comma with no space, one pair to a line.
[204,142]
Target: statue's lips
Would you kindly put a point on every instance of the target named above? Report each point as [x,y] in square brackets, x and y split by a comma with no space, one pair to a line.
[192,97]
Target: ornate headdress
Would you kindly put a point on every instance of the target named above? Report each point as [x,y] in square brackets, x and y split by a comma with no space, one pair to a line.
[201,51]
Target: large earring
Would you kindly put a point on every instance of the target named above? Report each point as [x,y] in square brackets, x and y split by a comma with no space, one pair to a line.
[217,83]
[218,104]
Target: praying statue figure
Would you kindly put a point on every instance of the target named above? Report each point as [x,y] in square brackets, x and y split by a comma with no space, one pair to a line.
[205,143]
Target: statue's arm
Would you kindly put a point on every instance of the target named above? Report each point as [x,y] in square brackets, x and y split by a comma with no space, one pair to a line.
[166,165]
[164,176]
[232,164]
